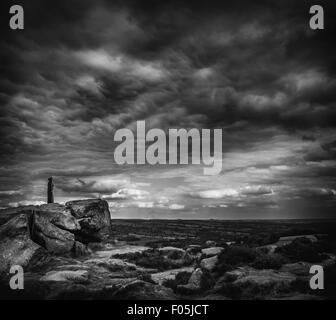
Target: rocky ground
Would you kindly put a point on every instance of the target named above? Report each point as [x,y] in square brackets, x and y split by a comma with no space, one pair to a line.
[73,252]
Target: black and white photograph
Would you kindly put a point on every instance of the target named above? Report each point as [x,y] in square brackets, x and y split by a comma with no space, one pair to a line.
[168,150]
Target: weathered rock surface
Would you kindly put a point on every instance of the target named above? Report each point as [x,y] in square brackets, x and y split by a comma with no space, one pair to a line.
[209,263]
[16,247]
[172,252]
[161,277]
[262,283]
[113,264]
[194,249]
[48,235]
[120,250]
[210,243]
[78,276]
[58,229]
[248,274]
[213,251]
[176,257]
[141,290]
[302,268]
[284,241]
[297,268]
[194,284]
[59,215]
[79,249]
[94,219]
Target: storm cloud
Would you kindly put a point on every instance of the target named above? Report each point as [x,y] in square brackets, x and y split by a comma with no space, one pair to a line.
[80,70]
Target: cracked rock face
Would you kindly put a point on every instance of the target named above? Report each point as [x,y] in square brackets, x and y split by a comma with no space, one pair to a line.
[52,229]
[93,217]
[16,247]
[50,236]
[60,216]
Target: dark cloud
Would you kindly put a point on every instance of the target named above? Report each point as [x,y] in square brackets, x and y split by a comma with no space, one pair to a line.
[82,69]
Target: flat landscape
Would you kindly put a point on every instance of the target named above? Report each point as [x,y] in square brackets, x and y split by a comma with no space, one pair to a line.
[188,232]
[172,259]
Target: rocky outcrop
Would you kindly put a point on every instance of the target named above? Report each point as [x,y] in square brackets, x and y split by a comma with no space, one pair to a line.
[16,246]
[94,218]
[52,228]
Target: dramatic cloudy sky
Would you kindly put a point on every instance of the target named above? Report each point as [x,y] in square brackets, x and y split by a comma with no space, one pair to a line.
[82,69]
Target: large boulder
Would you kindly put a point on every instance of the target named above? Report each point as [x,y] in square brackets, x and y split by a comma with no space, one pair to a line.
[60,216]
[16,247]
[94,219]
[50,236]
[33,232]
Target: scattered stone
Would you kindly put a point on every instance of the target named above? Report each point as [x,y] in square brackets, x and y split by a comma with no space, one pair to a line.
[194,249]
[79,276]
[210,243]
[120,249]
[297,268]
[194,284]
[283,241]
[213,251]
[249,283]
[172,252]
[209,263]
[113,264]
[141,290]
[161,277]
[268,249]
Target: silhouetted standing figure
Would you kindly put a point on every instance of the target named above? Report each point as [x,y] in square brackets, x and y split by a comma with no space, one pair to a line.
[50,190]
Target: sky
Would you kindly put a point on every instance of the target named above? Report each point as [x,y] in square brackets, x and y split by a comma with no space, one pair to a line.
[80,70]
